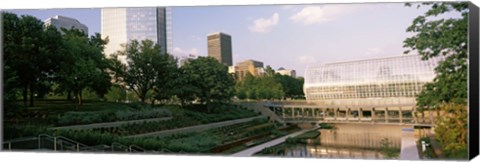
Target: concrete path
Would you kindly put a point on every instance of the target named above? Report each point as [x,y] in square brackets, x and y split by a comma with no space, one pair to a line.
[111,124]
[408,149]
[253,150]
[196,128]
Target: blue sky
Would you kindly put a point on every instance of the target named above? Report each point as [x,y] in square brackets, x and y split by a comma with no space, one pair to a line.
[289,36]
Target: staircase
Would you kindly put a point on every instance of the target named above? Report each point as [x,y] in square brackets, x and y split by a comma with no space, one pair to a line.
[259,107]
[63,144]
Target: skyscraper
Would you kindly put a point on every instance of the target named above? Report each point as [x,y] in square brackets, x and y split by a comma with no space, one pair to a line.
[122,25]
[67,23]
[220,47]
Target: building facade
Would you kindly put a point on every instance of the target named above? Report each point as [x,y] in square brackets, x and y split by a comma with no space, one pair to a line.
[220,47]
[248,66]
[67,23]
[288,72]
[382,81]
[187,59]
[122,25]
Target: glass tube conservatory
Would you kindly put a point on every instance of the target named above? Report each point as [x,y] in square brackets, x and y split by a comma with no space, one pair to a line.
[390,80]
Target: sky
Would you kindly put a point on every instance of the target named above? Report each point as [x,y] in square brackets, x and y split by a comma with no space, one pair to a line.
[289,36]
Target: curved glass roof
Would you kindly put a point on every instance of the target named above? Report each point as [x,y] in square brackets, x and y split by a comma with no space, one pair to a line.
[399,76]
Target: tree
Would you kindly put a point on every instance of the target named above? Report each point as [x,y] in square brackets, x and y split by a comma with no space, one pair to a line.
[146,69]
[164,86]
[102,81]
[292,87]
[184,86]
[446,38]
[269,71]
[10,48]
[30,51]
[83,64]
[211,79]
[262,87]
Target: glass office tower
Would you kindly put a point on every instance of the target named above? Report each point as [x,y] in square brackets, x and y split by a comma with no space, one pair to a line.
[121,25]
[391,80]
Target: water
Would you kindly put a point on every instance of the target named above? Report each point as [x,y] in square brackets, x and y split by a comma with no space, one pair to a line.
[358,141]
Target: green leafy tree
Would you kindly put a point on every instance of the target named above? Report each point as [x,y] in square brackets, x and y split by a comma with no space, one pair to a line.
[211,79]
[83,64]
[30,51]
[146,70]
[102,81]
[164,85]
[451,130]
[292,87]
[269,71]
[11,86]
[184,86]
[262,87]
[444,37]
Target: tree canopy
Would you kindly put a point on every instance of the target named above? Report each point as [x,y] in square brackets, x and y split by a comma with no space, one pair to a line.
[209,79]
[145,70]
[447,38]
[269,86]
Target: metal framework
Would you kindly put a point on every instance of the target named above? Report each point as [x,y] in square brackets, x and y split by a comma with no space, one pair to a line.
[381,90]
[391,80]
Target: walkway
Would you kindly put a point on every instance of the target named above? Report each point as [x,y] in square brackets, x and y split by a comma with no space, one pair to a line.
[259,107]
[409,149]
[253,150]
[196,128]
[111,124]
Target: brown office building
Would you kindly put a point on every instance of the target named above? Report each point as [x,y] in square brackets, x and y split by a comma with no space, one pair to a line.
[248,66]
[220,47]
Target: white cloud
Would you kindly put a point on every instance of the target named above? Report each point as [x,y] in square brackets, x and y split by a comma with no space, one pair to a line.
[184,52]
[263,25]
[287,7]
[373,51]
[322,14]
[306,59]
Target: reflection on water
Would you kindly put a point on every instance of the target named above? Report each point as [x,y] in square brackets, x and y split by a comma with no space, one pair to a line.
[349,141]
[319,151]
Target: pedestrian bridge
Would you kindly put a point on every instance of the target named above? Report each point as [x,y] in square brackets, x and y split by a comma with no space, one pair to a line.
[403,114]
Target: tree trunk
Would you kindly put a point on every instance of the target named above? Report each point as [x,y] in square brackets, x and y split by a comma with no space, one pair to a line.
[208,107]
[25,91]
[153,102]
[80,98]
[31,94]
[69,95]
[423,116]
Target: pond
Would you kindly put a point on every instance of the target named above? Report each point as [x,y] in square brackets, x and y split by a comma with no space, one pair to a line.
[356,141]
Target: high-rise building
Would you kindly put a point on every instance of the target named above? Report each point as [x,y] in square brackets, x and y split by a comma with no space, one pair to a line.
[248,66]
[67,23]
[122,25]
[220,47]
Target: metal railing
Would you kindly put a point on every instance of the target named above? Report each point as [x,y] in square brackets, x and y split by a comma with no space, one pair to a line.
[8,145]
[60,143]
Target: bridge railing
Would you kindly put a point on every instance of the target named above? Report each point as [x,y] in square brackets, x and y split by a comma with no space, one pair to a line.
[401,114]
